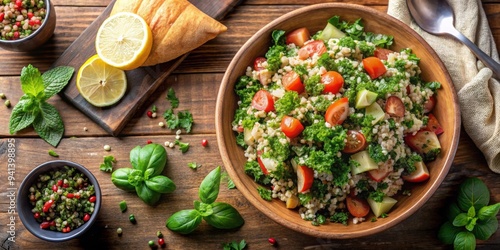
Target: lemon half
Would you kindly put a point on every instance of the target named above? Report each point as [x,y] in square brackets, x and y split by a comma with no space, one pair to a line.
[124,41]
[99,83]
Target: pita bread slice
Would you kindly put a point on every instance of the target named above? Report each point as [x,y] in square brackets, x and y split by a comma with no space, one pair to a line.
[177,26]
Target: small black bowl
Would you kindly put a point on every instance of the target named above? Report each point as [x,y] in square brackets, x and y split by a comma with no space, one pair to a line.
[24,206]
[37,38]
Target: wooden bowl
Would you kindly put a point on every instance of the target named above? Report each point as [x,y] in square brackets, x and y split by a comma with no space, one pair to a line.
[315,17]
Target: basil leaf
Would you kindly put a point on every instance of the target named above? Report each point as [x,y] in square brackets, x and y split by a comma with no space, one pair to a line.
[471,224]
[184,221]
[203,208]
[135,177]
[464,241]
[21,118]
[448,232]
[461,220]
[32,82]
[148,173]
[224,216]
[161,184]
[120,177]
[147,195]
[209,187]
[473,192]
[485,228]
[471,212]
[487,212]
[453,211]
[152,156]
[54,80]
[48,124]
[134,157]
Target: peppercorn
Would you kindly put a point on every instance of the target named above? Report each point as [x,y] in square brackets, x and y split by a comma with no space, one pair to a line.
[149,141]
[204,142]
[119,231]
[2,95]
[149,114]
[151,243]
[7,103]
[131,217]
[161,241]
[272,241]
[107,147]
[159,234]
[161,124]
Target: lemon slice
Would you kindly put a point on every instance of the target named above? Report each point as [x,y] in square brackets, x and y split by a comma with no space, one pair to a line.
[99,83]
[124,41]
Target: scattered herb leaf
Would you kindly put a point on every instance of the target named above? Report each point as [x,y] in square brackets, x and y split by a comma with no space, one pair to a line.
[183,146]
[53,153]
[235,245]
[194,165]
[107,166]
[174,101]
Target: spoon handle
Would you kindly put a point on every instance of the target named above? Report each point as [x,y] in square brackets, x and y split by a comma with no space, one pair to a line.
[487,60]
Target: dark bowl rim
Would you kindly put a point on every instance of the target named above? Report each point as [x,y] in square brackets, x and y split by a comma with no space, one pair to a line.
[225,155]
[48,13]
[23,215]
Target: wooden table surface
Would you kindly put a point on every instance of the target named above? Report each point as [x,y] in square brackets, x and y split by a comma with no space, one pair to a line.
[196,82]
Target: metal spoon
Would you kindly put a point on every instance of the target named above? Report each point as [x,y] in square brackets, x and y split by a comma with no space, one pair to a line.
[436,17]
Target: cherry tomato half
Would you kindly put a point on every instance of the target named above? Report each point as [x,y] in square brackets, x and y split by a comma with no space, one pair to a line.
[382,53]
[291,126]
[358,207]
[337,111]
[394,106]
[356,142]
[333,82]
[292,81]
[374,67]
[257,63]
[263,100]
[311,48]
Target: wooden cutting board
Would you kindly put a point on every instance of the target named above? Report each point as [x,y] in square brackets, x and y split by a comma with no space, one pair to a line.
[142,82]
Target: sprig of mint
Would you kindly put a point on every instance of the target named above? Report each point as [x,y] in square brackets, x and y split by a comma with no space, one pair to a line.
[470,217]
[33,109]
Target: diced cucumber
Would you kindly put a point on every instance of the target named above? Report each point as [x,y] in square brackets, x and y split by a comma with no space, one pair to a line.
[331,31]
[379,208]
[365,162]
[365,98]
[376,111]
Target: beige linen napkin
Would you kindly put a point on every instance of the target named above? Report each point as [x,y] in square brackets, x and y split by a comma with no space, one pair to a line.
[478,92]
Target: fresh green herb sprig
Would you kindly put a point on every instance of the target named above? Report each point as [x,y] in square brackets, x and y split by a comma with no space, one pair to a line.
[194,165]
[470,217]
[233,245]
[107,165]
[183,146]
[145,176]
[53,153]
[181,119]
[218,214]
[33,108]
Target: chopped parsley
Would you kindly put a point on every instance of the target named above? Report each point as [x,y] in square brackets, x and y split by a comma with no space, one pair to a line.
[107,165]
[264,193]
[183,146]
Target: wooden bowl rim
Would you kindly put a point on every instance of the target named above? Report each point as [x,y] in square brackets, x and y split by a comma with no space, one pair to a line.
[257,202]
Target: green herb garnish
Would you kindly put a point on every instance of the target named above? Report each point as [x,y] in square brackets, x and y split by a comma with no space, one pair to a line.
[218,214]
[235,245]
[53,153]
[33,109]
[107,166]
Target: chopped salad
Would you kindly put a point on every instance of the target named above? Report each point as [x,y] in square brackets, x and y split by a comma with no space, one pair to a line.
[335,122]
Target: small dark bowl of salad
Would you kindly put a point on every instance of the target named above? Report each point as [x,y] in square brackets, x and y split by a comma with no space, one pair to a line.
[59,200]
[26,24]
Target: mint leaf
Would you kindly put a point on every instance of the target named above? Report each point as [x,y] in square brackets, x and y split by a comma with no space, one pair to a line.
[464,241]
[484,229]
[31,82]
[174,101]
[56,79]
[21,117]
[473,192]
[48,124]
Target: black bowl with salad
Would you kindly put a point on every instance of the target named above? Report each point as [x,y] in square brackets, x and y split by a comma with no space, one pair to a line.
[59,200]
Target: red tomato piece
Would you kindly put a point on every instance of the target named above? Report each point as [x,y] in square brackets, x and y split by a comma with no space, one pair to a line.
[382,53]
[429,104]
[337,111]
[262,167]
[47,206]
[433,125]
[45,225]
[311,48]
[263,100]
[333,82]
[257,63]
[358,207]
[379,174]
[423,141]
[291,126]
[305,177]
[374,67]
[356,142]
[298,37]
[292,81]
[394,106]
